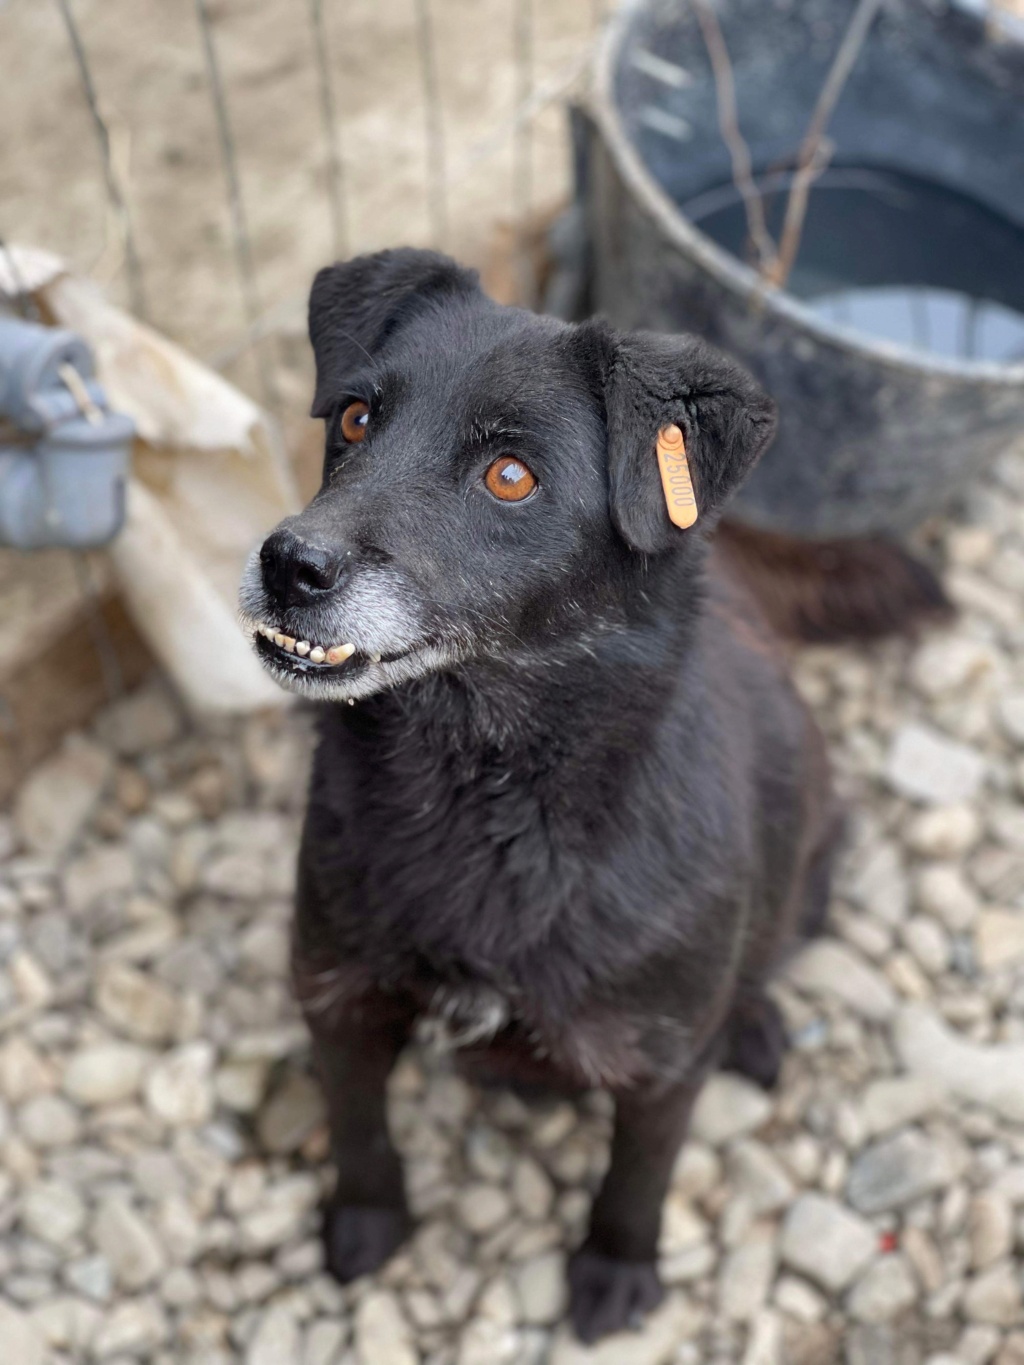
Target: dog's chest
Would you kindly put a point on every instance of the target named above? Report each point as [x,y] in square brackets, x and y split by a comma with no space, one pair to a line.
[463,871]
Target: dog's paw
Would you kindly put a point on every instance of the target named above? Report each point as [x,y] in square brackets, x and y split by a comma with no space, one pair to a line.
[607,1295]
[358,1239]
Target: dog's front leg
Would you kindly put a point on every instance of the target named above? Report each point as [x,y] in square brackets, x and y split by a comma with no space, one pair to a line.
[613,1277]
[367,1217]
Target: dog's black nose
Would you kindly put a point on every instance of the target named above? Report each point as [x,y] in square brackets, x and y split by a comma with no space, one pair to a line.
[295,572]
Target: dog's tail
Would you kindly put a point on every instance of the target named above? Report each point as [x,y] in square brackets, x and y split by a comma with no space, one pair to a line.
[829,591]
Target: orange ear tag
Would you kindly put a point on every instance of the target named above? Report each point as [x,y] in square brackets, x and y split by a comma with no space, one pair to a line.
[675,477]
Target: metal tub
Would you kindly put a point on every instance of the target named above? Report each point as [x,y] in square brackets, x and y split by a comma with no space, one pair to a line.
[873,436]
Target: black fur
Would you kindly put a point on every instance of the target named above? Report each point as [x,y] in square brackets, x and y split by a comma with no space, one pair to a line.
[586,833]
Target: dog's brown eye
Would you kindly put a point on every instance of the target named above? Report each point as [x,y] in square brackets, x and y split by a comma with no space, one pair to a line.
[509,480]
[354,421]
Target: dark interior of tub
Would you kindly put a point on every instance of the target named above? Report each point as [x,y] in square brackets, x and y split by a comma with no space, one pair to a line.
[915,232]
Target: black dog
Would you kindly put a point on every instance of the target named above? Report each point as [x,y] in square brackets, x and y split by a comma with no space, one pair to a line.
[573,804]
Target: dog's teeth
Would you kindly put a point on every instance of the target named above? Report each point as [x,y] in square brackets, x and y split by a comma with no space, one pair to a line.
[289,643]
[302,648]
[316,655]
[375,658]
[278,638]
[337,654]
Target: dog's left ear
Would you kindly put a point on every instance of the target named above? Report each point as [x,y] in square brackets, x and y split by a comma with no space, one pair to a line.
[649,381]
[354,306]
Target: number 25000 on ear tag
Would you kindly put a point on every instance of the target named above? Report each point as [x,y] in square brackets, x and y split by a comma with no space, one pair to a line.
[675,476]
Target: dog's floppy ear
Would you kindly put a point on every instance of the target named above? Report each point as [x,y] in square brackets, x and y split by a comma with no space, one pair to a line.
[355,305]
[651,381]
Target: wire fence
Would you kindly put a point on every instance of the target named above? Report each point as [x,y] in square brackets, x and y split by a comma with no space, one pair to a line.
[264,311]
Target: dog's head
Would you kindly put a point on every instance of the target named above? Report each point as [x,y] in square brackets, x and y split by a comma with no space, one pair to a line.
[490,479]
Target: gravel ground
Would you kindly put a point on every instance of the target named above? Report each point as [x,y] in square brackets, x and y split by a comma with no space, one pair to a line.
[161,1144]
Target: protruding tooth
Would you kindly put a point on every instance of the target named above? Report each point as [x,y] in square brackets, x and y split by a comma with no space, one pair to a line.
[375,658]
[278,638]
[316,655]
[302,648]
[289,643]
[266,632]
[337,654]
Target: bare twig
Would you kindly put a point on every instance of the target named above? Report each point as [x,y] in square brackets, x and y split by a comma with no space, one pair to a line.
[522,145]
[115,192]
[814,150]
[239,224]
[329,117]
[728,122]
[438,192]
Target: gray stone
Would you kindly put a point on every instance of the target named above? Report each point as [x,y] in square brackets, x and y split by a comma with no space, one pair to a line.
[870,1344]
[67,1324]
[982,1073]
[31,983]
[280,1213]
[179,1089]
[925,765]
[532,1190]
[323,1343]
[994,1296]
[49,1121]
[682,1225]
[292,1112]
[240,1086]
[947,664]
[382,1335]
[264,949]
[540,1288]
[482,1208]
[990,1228]
[999,939]
[897,1171]
[52,1211]
[57,799]
[276,1339]
[146,719]
[728,1107]
[886,1289]
[23,1071]
[799,1300]
[92,1277]
[896,1100]
[879,883]
[826,1242]
[929,944]
[136,1327]
[944,892]
[1011,715]
[100,874]
[943,831]
[765,1340]
[827,967]
[23,1343]
[757,1174]
[977,1345]
[1012,1352]
[698,1170]
[137,1005]
[105,1073]
[746,1276]
[128,1244]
